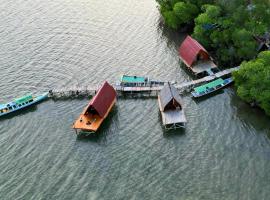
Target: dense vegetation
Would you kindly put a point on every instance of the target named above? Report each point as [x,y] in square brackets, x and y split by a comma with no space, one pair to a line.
[228,28]
[253,81]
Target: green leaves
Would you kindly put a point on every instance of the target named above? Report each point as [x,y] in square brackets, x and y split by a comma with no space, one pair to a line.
[253,80]
[185,12]
[177,13]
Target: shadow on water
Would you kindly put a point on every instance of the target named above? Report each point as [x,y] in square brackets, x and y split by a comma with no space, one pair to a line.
[174,133]
[175,38]
[21,112]
[101,135]
[251,116]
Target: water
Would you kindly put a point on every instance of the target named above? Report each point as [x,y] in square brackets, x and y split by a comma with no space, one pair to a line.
[224,153]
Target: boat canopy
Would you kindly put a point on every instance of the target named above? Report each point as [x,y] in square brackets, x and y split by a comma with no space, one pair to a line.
[2,106]
[212,84]
[23,99]
[169,98]
[102,101]
[133,79]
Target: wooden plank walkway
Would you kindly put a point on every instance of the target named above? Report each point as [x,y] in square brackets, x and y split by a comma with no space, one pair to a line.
[82,91]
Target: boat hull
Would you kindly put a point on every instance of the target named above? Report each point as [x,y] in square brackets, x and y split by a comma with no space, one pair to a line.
[227,82]
[35,101]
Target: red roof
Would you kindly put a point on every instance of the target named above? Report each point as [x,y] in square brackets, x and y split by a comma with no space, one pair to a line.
[189,50]
[102,101]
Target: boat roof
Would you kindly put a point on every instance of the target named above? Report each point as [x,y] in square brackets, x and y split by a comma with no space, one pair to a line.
[2,106]
[23,99]
[168,93]
[209,85]
[189,50]
[102,101]
[133,79]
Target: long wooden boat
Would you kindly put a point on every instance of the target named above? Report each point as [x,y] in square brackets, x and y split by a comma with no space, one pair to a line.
[211,87]
[97,110]
[21,103]
[171,108]
[138,81]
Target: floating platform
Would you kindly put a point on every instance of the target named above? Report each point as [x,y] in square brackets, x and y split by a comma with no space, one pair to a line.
[171,108]
[97,110]
[196,58]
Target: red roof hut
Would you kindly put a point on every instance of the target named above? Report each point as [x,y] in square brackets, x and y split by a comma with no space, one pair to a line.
[97,110]
[195,57]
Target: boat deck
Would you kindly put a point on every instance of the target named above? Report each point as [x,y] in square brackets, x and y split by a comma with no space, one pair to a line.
[88,122]
[91,122]
[173,117]
[202,66]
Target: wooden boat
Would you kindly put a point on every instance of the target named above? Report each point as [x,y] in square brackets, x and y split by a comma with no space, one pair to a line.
[171,108]
[20,103]
[211,87]
[138,81]
[97,110]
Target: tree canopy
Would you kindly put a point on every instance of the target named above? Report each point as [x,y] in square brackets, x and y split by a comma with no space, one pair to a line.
[252,81]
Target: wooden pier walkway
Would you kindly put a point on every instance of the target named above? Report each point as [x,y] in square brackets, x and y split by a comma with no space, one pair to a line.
[84,91]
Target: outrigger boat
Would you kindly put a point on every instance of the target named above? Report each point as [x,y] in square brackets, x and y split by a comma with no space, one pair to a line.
[211,87]
[20,103]
[97,110]
[138,81]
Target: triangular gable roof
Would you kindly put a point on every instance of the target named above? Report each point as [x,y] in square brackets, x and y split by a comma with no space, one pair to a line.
[102,101]
[189,50]
[167,93]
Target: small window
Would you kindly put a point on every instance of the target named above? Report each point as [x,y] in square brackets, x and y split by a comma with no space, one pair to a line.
[30,100]
[1,111]
[23,104]
[14,107]
[10,108]
[20,105]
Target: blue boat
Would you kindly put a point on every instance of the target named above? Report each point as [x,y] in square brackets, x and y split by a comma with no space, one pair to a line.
[211,87]
[20,103]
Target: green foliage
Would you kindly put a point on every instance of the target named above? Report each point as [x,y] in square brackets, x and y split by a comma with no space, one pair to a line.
[253,80]
[171,19]
[177,12]
[185,12]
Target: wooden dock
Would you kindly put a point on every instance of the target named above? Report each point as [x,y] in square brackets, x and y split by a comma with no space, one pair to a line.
[88,91]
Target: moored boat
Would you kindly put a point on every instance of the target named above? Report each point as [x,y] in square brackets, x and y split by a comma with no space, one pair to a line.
[97,110]
[20,103]
[211,87]
[138,81]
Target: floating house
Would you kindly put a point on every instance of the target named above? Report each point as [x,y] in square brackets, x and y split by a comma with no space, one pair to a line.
[196,58]
[97,110]
[171,108]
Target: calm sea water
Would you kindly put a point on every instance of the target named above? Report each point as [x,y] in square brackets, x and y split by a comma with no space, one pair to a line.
[224,153]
